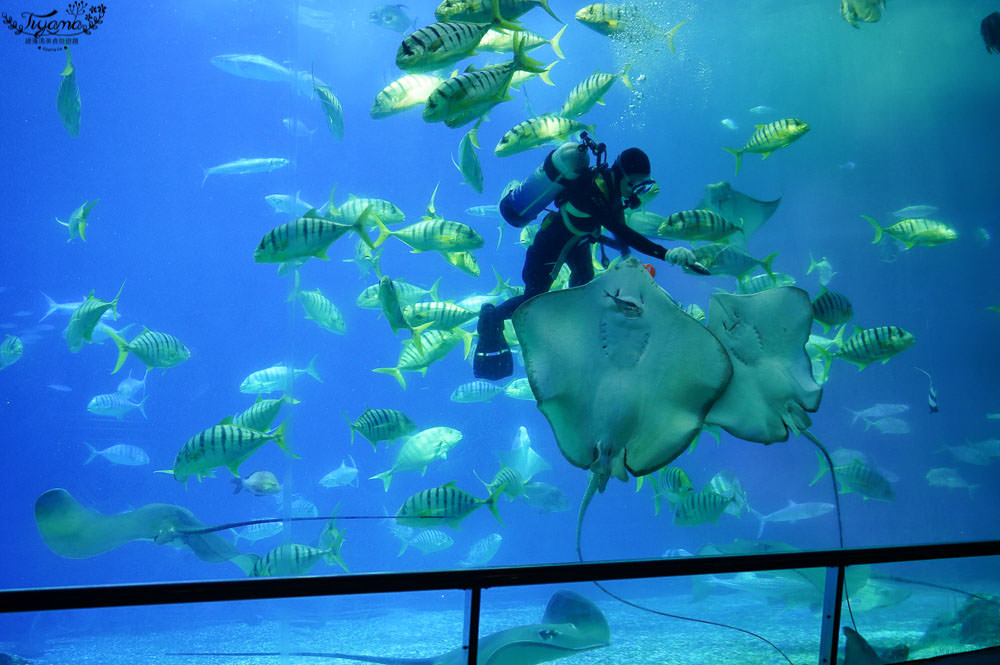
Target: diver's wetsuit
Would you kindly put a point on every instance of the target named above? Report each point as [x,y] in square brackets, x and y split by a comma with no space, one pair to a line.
[588,204]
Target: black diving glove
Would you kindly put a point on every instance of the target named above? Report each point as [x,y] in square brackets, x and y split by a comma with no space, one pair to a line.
[685,258]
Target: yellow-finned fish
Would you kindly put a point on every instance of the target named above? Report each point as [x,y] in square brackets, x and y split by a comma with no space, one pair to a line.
[624,22]
[869,11]
[382,425]
[464,261]
[295,559]
[406,293]
[307,236]
[873,344]
[700,507]
[154,349]
[433,233]
[590,91]
[443,505]
[394,312]
[537,131]
[261,414]
[697,225]
[469,95]
[440,315]
[468,161]
[10,350]
[351,210]
[768,138]
[221,445]
[77,224]
[404,93]
[419,450]
[435,344]
[86,317]
[332,109]
[439,45]
[321,311]
[499,41]
[484,11]
[915,231]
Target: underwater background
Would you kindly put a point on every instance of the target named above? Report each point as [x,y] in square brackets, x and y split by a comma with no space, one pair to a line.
[903,112]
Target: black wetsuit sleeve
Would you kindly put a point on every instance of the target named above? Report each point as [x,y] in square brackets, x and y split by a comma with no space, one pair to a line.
[616,224]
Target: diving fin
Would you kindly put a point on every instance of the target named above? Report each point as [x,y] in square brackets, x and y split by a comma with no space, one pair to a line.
[493,359]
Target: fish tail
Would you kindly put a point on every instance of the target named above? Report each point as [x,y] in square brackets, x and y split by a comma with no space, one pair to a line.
[93,453]
[766,263]
[114,301]
[239,486]
[311,370]
[554,43]
[349,424]
[122,349]
[624,76]
[53,306]
[759,516]
[383,235]
[544,4]
[279,438]
[500,22]
[207,172]
[736,153]
[670,36]
[521,59]
[385,477]
[141,406]
[491,503]
[359,226]
[394,372]
[878,229]
[546,79]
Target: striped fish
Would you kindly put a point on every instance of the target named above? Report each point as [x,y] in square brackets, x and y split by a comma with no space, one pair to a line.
[831,308]
[257,531]
[120,453]
[435,234]
[869,11]
[507,480]
[261,413]
[404,93]
[519,389]
[873,344]
[537,131]
[85,318]
[277,378]
[221,445]
[323,312]
[863,479]
[427,541]
[468,161]
[10,350]
[768,138]
[406,293]
[382,425]
[332,109]
[700,507]
[351,210]
[77,224]
[394,313]
[419,450]
[291,559]
[154,349]
[697,225]
[915,231]
[484,11]
[439,45]
[624,22]
[114,405]
[440,315]
[436,345]
[590,91]
[464,261]
[671,483]
[469,95]
[482,551]
[763,282]
[307,236]
[499,41]
[479,390]
[442,505]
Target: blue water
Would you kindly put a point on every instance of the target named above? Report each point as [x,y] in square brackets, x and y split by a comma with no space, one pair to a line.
[911,102]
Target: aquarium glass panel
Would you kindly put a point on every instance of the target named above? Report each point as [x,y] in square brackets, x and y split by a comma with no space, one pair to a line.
[268,264]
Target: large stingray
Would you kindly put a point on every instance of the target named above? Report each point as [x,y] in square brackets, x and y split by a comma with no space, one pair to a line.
[772,388]
[737,207]
[73,531]
[624,377]
[571,624]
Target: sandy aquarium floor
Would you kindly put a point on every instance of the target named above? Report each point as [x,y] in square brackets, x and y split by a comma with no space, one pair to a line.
[379,628]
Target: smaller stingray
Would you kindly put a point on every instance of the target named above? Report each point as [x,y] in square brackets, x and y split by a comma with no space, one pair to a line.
[75,532]
[571,624]
[772,388]
[736,206]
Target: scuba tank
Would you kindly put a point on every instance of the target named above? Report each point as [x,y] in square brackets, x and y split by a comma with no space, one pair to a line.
[522,203]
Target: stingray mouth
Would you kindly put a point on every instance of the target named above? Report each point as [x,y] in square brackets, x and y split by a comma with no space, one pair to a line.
[629,307]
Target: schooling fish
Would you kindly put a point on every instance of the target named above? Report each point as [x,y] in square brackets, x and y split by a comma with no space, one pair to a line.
[86,316]
[154,349]
[121,453]
[915,231]
[245,166]
[225,445]
[390,17]
[770,137]
[382,425]
[443,505]
[77,224]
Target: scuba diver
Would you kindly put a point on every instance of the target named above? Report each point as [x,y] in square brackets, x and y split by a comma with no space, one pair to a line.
[588,199]
[990,30]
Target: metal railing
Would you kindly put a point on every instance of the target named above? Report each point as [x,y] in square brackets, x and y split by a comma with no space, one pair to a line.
[474,581]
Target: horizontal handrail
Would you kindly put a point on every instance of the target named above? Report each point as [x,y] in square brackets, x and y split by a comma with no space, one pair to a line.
[127,595]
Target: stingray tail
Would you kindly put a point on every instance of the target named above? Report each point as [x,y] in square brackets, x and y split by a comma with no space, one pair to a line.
[593,485]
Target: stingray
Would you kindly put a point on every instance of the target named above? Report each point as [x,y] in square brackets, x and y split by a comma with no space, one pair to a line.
[571,624]
[623,375]
[738,207]
[772,388]
[75,532]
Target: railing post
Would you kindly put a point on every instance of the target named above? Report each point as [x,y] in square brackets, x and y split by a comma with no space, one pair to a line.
[830,633]
[473,597]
